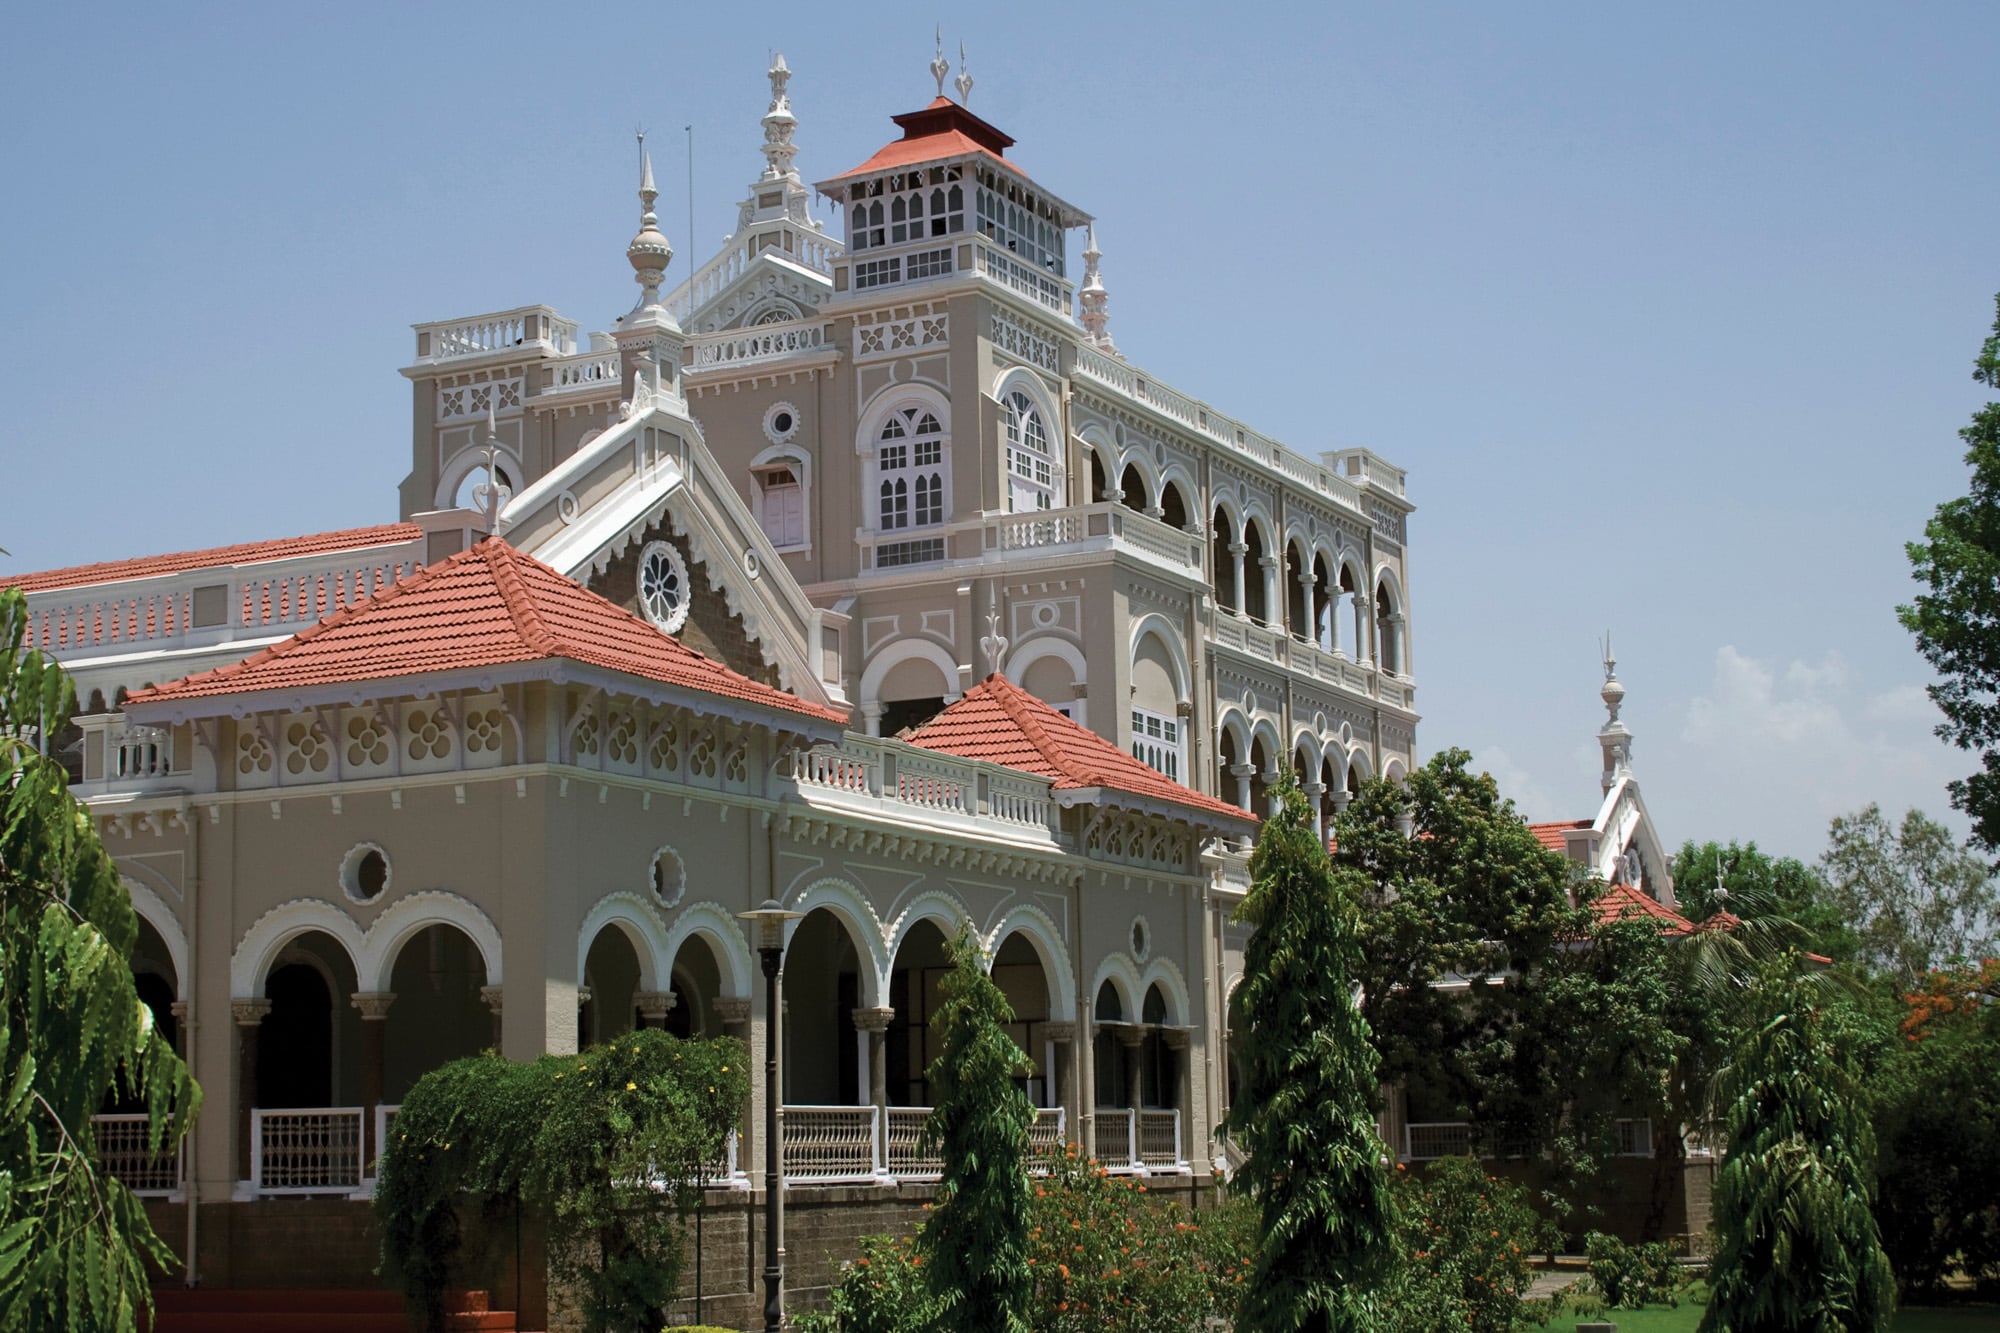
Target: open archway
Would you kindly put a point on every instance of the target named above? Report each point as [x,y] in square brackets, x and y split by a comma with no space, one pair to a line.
[823,988]
[439,1014]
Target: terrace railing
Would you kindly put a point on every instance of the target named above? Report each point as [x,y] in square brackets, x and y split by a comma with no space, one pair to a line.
[309,1151]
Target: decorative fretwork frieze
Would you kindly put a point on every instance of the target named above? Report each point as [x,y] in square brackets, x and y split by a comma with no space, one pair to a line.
[890,337]
[461,401]
[1023,341]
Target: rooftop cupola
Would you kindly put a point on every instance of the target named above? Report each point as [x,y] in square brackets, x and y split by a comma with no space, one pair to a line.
[949,177]
[1614,738]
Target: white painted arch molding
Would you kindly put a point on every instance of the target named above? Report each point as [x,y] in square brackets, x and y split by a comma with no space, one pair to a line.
[153,909]
[857,916]
[895,654]
[713,925]
[639,921]
[1035,926]
[1163,973]
[1124,978]
[372,951]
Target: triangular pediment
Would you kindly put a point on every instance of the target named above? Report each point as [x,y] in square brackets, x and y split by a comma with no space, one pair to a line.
[771,288]
[652,478]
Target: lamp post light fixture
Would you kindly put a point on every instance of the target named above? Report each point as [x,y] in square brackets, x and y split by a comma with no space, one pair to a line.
[770,918]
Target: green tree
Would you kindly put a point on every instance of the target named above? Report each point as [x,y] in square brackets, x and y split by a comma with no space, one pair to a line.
[1491,988]
[1799,1248]
[1304,1116]
[74,1242]
[1956,619]
[1917,900]
[975,1240]
[1758,887]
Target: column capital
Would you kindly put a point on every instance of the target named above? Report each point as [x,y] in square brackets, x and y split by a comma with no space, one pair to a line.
[249,1013]
[373,1004]
[732,1009]
[1242,770]
[1238,548]
[493,996]
[1059,1032]
[180,1009]
[655,1005]
[1176,1038]
[873,1020]
[1130,1035]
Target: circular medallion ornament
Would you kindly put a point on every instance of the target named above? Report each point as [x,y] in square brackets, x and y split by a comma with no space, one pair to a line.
[781,423]
[663,586]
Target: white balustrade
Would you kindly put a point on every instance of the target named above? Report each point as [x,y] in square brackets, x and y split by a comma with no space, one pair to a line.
[759,343]
[1018,800]
[1045,1135]
[585,373]
[1160,1139]
[137,754]
[845,768]
[123,1151]
[1426,1141]
[832,1143]
[530,328]
[1114,1138]
[933,782]
[71,621]
[1030,282]
[904,1154]
[313,1151]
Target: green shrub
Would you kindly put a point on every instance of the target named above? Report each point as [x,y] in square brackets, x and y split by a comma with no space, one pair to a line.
[881,1291]
[1631,1276]
[1467,1238]
[588,1140]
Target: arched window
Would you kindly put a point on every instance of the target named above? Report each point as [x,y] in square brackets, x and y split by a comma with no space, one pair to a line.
[1031,471]
[909,457]
[781,501]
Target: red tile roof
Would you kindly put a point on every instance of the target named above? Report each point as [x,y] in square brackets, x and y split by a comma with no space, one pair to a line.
[941,130]
[1622,901]
[488,606]
[1550,835]
[1002,723]
[244,553]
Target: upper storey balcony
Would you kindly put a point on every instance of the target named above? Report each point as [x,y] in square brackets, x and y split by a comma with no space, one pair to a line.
[527,330]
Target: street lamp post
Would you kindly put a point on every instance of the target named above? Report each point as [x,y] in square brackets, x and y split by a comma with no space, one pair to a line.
[770,919]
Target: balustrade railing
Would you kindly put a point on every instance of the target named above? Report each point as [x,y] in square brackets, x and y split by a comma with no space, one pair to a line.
[535,328]
[936,784]
[898,780]
[1113,1138]
[123,1150]
[1427,1141]
[761,342]
[1159,1134]
[220,600]
[591,370]
[1009,272]
[138,753]
[832,1143]
[903,1151]
[315,1151]
[1046,1134]
[1018,801]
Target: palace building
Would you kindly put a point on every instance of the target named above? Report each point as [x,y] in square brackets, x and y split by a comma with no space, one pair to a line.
[860,570]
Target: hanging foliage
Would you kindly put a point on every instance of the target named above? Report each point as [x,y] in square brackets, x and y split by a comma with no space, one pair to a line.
[74,1242]
[607,1145]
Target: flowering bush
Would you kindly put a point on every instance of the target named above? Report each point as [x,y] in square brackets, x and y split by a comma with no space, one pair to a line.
[1467,1238]
[1106,1257]
[1635,1275]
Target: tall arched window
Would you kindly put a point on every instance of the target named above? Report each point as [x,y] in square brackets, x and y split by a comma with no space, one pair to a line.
[1031,469]
[909,458]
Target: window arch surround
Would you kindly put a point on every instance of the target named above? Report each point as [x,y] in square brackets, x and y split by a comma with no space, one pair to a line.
[906,436]
[1031,443]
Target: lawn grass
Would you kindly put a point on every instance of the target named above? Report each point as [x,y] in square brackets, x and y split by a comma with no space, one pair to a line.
[1659,1319]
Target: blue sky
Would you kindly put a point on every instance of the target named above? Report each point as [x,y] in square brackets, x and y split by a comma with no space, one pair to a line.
[1669,311]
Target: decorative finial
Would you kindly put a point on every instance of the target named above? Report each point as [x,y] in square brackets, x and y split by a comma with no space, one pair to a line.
[1092,297]
[649,252]
[492,442]
[992,644]
[964,81]
[779,150]
[940,67]
[1614,738]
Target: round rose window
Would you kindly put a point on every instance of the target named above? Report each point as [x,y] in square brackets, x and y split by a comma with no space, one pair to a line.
[663,586]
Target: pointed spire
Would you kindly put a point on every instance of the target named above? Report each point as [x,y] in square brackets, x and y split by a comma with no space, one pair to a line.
[1096,318]
[1614,738]
[649,252]
[940,67]
[964,81]
[779,150]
